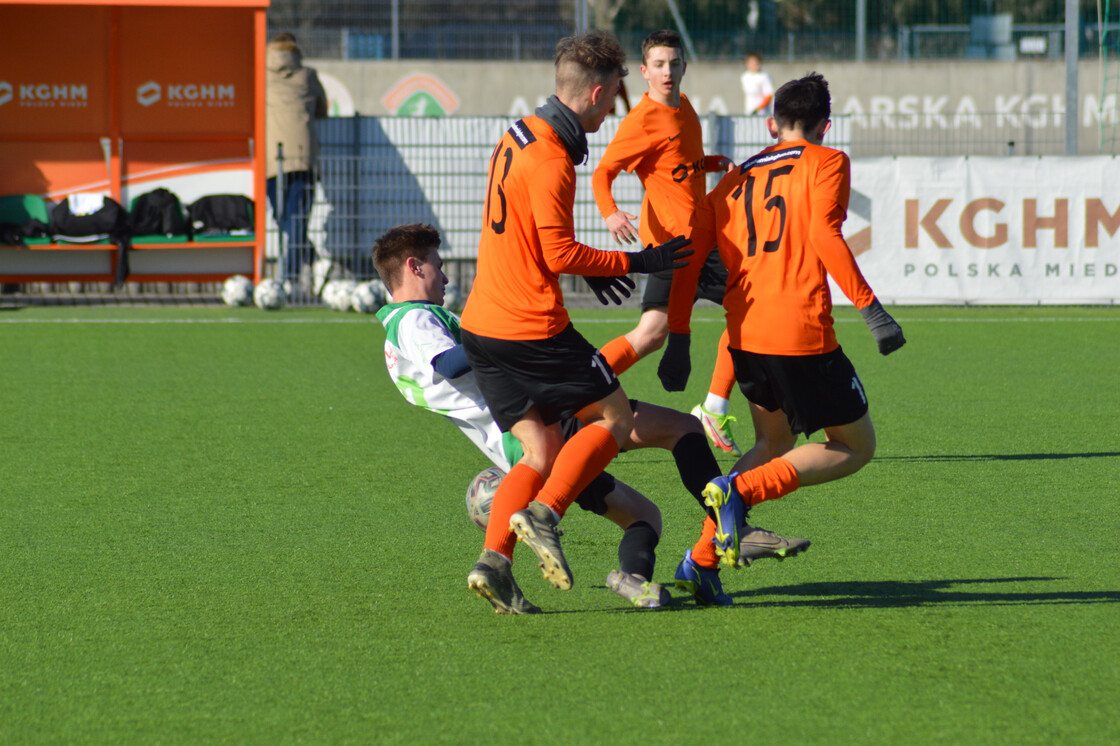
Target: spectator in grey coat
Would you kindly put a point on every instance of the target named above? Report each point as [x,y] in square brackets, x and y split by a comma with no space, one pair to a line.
[294,98]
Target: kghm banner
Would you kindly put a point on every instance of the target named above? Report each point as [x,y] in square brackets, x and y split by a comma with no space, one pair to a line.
[987,230]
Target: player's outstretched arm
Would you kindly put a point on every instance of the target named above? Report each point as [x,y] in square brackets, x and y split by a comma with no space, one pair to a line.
[673,254]
[607,289]
[885,330]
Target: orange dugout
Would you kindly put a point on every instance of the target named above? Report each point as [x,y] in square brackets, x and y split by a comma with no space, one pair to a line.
[119,98]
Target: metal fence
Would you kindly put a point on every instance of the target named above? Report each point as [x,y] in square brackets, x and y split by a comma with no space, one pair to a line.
[378,172]
[714,29]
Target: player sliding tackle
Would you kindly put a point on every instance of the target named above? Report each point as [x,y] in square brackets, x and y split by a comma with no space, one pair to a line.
[429,367]
[776,221]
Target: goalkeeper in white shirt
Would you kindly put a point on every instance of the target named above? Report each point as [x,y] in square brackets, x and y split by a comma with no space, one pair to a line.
[426,362]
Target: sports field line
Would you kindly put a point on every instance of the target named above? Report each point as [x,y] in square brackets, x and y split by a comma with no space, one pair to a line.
[577,320]
[186,320]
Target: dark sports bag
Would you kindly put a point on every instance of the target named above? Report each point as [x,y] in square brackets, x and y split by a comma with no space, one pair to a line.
[222,213]
[88,218]
[158,212]
[14,234]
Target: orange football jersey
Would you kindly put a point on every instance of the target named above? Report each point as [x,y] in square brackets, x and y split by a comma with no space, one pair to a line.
[776,221]
[664,146]
[528,239]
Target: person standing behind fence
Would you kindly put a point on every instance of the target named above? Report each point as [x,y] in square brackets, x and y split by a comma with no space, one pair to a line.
[758,91]
[294,98]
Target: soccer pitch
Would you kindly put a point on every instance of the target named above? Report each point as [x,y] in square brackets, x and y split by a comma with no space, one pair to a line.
[226,526]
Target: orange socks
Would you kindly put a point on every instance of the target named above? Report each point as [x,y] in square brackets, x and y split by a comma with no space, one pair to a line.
[621,355]
[723,377]
[516,491]
[770,481]
[704,553]
[581,459]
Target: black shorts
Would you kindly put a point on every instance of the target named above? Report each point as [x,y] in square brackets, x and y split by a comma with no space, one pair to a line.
[559,376]
[712,284]
[594,496]
[814,391]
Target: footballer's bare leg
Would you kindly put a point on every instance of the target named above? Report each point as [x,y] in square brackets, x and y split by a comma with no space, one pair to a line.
[847,450]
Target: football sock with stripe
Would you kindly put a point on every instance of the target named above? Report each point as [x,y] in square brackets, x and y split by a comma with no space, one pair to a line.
[516,491]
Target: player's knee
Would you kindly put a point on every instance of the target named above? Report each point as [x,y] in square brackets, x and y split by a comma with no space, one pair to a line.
[540,453]
[864,451]
[649,513]
[774,445]
[647,339]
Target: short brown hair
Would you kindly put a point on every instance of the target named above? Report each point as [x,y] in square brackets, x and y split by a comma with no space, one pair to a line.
[588,59]
[662,38]
[804,102]
[398,245]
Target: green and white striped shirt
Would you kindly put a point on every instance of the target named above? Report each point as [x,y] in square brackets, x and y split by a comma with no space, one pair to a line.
[415,333]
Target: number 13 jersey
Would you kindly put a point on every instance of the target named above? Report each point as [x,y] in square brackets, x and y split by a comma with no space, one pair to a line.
[528,238]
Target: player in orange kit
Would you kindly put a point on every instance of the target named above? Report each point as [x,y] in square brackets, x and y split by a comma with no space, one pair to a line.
[776,222]
[660,140]
[530,363]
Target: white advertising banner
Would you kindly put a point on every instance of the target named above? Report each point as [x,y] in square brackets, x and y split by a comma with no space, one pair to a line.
[987,230]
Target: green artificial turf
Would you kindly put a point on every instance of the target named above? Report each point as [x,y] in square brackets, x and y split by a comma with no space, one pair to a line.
[226,526]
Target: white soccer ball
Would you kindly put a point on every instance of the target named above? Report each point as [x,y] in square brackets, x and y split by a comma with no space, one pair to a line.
[452,298]
[237,291]
[480,492]
[338,294]
[368,297]
[269,295]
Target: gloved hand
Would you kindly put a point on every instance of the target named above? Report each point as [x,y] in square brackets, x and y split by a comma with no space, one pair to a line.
[675,364]
[887,332]
[607,288]
[669,255]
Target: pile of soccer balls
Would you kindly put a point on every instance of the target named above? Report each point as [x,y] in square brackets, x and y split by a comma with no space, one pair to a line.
[370,296]
[239,291]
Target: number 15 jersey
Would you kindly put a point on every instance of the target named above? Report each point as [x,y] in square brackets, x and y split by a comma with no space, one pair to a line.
[776,221]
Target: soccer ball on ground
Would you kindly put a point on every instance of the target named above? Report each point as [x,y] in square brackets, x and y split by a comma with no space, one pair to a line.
[480,492]
[368,297]
[237,291]
[452,298]
[337,294]
[269,295]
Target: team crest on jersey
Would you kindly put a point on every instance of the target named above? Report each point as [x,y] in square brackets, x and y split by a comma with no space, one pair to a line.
[765,159]
[521,134]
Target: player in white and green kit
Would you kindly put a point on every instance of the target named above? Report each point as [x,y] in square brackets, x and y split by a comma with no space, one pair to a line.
[418,332]
[426,361]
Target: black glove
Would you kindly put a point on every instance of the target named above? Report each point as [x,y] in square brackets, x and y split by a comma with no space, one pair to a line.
[607,288]
[887,332]
[675,364]
[669,255]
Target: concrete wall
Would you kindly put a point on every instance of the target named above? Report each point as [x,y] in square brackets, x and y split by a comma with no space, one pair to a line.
[909,95]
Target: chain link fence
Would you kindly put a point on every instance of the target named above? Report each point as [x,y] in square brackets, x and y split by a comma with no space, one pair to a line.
[380,172]
[713,29]
[377,172]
